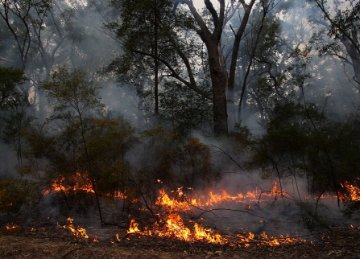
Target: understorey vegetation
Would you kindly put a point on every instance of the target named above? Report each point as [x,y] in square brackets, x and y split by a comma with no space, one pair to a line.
[154,115]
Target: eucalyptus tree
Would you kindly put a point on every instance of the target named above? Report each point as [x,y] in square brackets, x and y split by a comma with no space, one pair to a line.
[342,19]
[181,21]
[25,20]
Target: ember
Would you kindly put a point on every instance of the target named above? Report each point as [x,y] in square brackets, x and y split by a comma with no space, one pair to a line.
[11,227]
[352,192]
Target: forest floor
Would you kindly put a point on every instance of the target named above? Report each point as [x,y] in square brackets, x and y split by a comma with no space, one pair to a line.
[334,243]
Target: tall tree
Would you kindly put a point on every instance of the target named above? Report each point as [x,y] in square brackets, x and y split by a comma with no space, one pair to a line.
[222,78]
[343,19]
[25,20]
[204,28]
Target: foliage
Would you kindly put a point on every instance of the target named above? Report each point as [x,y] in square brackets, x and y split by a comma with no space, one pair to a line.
[184,109]
[174,160]
[72,94]
[15,193]
[300,140]
[11,97]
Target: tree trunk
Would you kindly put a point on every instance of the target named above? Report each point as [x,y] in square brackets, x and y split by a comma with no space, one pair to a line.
[355,58]
[219,80]
[156,60]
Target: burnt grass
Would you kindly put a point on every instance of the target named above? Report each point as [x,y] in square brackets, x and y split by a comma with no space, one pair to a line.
[55,242]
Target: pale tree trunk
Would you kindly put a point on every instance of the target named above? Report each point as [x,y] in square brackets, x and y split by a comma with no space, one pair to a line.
[355,59]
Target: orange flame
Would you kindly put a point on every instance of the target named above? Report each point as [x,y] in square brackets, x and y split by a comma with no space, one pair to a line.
[352,192]
[174,227]
[81,183]
[78,231]
[133,227]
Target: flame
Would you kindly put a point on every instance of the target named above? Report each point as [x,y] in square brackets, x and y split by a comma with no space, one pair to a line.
[11,227]
[78,231]
[352,192]
[133,227]
[275,189]
[174,227]
[120,195]
[181,202]
[172,224]
[170,207]
[172,204]
[80,183]
[208,235]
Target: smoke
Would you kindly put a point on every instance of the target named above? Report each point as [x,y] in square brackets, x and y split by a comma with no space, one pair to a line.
[8,161]
[123,101]
[297,213]
[87,45]
[331,85]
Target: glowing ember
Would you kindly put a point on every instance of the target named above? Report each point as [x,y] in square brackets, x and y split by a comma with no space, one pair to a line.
[11,227]
[119,195]
[275,189]
[352,192]
[78,231]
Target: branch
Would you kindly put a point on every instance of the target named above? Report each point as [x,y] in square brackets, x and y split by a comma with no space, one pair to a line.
[212,11]
[322,7]
[204,32]
[174,74]
[235,50]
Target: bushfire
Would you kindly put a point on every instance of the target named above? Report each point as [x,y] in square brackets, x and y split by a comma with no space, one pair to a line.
[78,231]
[352,192]
[173,225]
[172,208]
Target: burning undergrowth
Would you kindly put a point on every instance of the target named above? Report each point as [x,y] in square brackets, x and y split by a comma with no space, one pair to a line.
[270,215]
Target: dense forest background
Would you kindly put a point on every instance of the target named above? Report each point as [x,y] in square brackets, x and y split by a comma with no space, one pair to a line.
[127,93]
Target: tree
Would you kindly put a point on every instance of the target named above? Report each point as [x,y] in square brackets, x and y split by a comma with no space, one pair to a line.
[13,106]
[74,98]
[25,20]
[209,28]
[11,96]
[344,28]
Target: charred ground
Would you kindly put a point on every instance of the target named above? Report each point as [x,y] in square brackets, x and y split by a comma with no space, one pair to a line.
[45,242]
